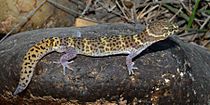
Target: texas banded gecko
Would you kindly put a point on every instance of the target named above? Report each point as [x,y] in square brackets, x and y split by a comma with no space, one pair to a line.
[132,45]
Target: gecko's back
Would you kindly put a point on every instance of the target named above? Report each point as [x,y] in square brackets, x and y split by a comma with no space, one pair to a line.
[121,44]
[95,46]
[106,45]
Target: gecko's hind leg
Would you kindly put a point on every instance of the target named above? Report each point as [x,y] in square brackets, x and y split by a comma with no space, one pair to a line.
[70,54]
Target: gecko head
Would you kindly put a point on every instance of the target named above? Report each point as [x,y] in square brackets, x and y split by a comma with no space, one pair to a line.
[161,29]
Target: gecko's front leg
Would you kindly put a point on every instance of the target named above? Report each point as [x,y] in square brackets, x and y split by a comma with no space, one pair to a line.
[130,64]
[70,53]
[132,55]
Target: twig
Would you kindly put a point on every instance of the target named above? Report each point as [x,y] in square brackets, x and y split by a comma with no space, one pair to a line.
[78,2]
[122,10]
[202,26]
[130,9]
[89,2]
[176,14]
[158,11]
[141,14]
[105,6]
[175,10]
[206,43]
[133,13]
[185,7]
[150,9]
[181,14]
[186,34]
[158,2]
[23,21]
[205,22]
[112,11]
[67,10]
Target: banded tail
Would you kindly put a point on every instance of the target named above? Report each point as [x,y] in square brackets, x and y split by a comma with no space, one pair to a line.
[32,57]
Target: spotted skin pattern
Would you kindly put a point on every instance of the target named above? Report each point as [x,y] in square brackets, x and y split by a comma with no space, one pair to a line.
[132,45]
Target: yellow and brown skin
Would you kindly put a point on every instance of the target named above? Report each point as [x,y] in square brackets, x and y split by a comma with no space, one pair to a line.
[132,45]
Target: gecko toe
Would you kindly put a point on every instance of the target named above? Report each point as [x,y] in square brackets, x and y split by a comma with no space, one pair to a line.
[135,68]
[131,68]
[131,72]
[65,65]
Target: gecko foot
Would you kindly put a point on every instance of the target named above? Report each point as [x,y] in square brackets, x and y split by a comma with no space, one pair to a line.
[130,64]
[65,65]
[130,68]
[66,59]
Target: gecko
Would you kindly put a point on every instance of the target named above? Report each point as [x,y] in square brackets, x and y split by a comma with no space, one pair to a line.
[131,45]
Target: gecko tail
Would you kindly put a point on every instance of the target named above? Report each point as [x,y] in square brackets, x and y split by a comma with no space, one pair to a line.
[18,90]
[32,57]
